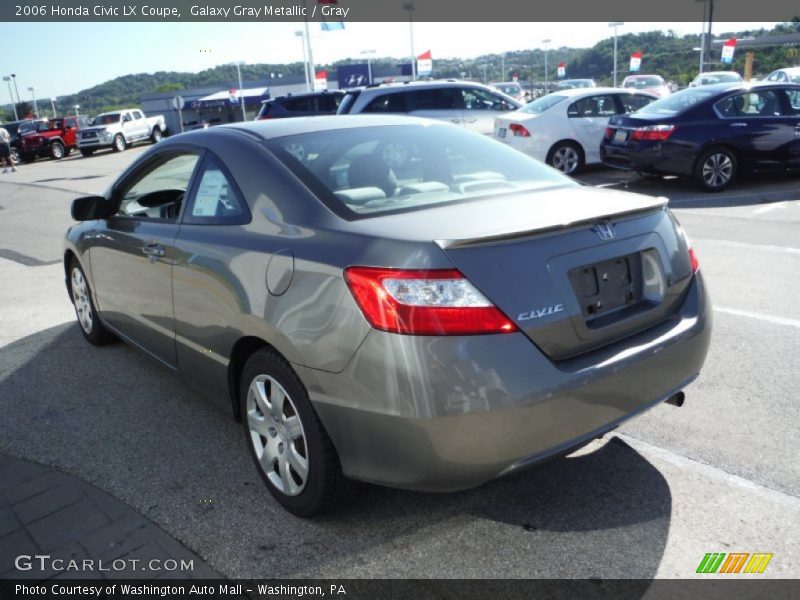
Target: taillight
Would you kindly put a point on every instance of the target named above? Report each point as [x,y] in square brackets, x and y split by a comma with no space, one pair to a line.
[519,130]
[608,133]
[424,302]
[693,260]
[653,133]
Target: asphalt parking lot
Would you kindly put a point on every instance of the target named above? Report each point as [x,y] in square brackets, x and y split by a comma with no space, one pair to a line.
[719,474]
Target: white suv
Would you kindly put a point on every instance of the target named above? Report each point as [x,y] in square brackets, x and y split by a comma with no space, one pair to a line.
[469,105]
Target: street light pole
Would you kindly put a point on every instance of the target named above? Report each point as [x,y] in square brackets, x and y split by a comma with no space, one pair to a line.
[16,89]
[367,53]
[32,90]
[409,6]
[238,65]
[7,79]
[615,24]
[546,42]
[299,34]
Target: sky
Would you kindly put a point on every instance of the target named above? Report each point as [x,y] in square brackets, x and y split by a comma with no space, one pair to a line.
[55,60]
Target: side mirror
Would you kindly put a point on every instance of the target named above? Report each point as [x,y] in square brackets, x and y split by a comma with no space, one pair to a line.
[91,208]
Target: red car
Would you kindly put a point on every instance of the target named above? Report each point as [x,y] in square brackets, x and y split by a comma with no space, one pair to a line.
[54,138]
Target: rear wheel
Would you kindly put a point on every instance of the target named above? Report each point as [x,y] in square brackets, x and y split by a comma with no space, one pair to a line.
[56,151]
[716,169]
[91,327]
[119,143]
[292,451]
[156,136]
[567,157]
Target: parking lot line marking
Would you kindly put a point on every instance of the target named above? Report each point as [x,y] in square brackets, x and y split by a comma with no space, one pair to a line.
[749,246]
[759,316]
[764,209]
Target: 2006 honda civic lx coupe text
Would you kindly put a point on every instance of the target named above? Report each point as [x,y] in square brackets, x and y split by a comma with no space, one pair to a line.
[428,324]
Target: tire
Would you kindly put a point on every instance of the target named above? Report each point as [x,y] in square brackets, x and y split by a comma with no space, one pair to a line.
[86,153]
[15,155]
[716,169]
[156,136]
[291,450]
[88,321]
[57,151]
[567,157]
[119,143]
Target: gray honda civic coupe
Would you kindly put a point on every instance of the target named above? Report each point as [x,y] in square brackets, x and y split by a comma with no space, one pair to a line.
[389,299]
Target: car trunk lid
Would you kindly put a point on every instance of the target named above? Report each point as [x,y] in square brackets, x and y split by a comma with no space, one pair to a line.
[578,283]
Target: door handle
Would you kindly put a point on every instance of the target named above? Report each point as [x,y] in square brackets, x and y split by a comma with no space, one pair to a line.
[738,124]
[153,250]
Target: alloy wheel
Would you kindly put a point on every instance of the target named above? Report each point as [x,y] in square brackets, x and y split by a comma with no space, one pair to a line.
[717,170]
[277,435]
[566,159]
[80,297]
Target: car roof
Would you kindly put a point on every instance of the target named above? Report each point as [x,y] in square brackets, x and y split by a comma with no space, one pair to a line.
[276,128]
[439,83]
[572,92]
[789,70]
[637,76]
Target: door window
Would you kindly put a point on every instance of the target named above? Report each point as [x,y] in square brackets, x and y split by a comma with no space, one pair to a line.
[157,191]
[388,103]
[476,99]
[794,101]
[216,200]
[762,103]
[594,106]
[633,102]
[436,99]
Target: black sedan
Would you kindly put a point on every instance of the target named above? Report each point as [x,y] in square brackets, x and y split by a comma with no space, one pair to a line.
[711,133]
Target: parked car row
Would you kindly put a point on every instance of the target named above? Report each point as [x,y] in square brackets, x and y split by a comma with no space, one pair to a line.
[57,137]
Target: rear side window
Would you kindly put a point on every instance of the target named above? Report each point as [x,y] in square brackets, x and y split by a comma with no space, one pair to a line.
[794,101]
[388,103]
[305,104]
[633,102]
[329,103]
[435,99]
[216,199]
[475,99]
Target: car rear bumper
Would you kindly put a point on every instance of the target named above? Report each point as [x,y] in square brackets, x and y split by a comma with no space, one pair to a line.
[449,413]
[669,159]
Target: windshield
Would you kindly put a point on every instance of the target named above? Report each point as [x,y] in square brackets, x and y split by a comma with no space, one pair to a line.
[510,89]
[711,78]
[542,104]
[678,102]
[643,82]
[795,78]
[108,119]
[370,171]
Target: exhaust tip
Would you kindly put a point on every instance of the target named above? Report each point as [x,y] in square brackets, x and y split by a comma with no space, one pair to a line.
[676,399]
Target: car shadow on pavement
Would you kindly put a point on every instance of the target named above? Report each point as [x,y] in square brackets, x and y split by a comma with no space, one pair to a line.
[115,418]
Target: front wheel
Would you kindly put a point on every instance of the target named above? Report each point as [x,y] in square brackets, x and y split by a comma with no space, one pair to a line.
[57,151]
[716,169]
[91,327]
[156,136]
[567,157]
[292,451]
[119,143]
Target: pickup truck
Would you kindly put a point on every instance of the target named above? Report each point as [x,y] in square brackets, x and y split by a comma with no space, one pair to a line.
[54,138]
[120,129]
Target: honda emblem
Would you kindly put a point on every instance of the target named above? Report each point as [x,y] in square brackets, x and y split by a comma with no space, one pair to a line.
[605,230]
